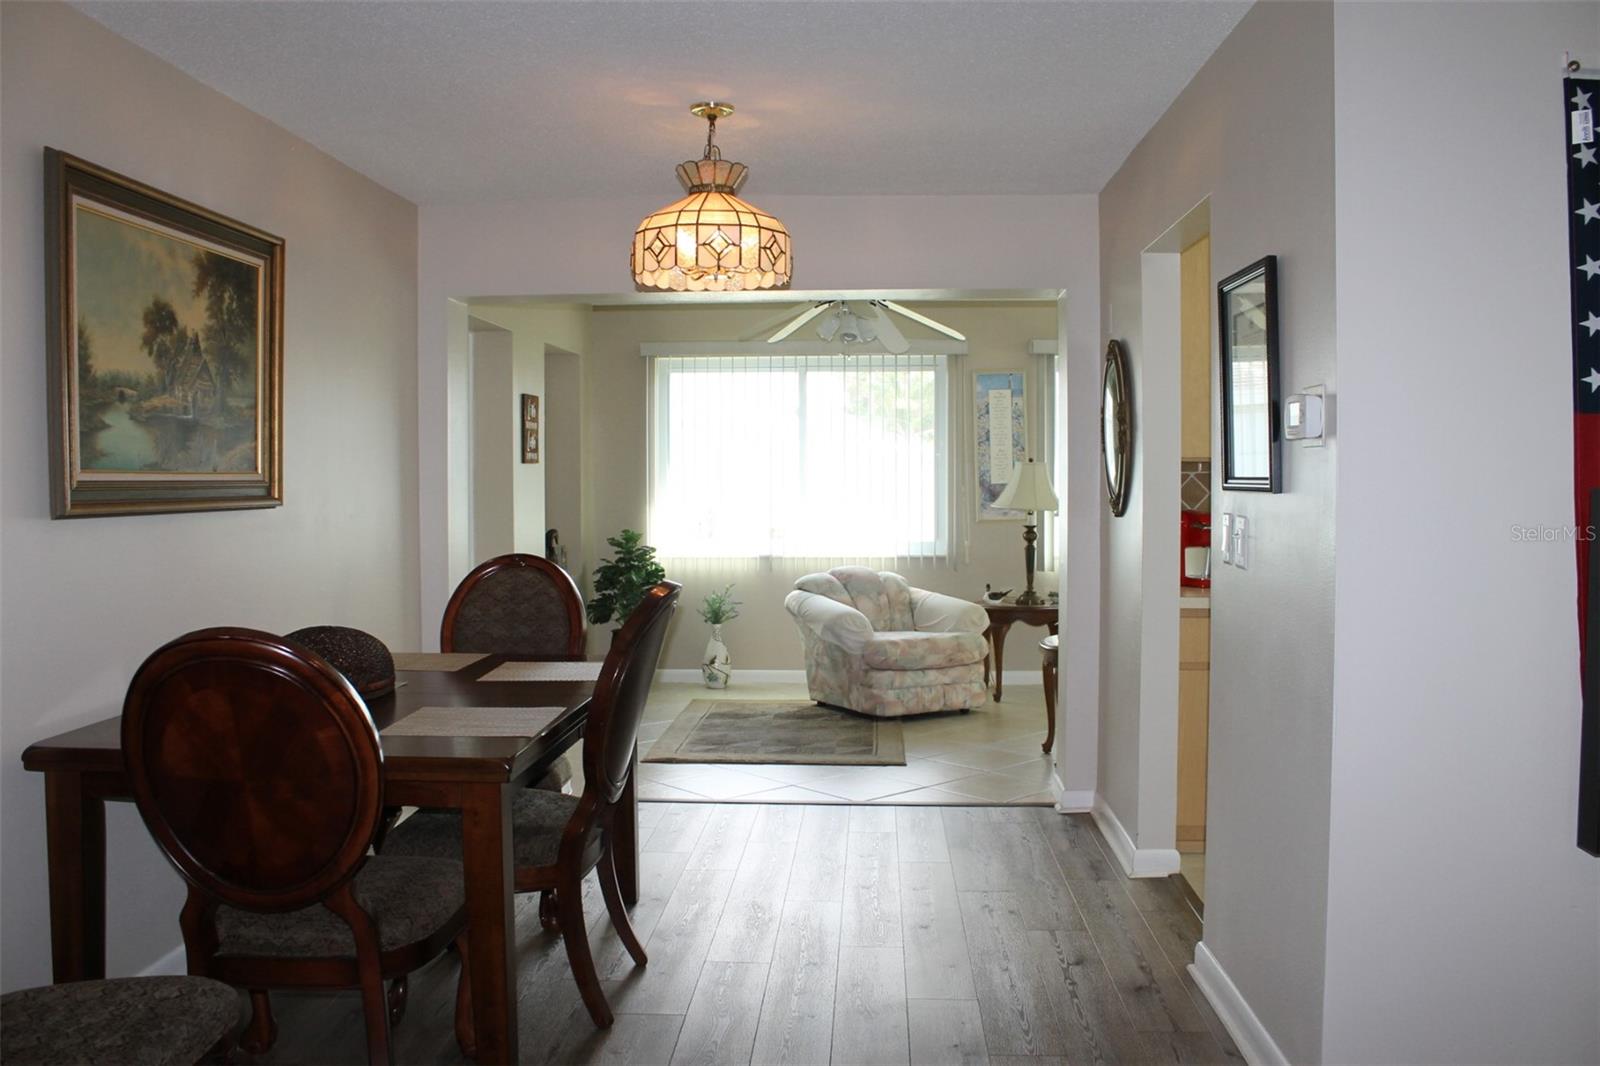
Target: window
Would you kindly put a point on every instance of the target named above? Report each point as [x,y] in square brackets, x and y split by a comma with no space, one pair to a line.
[830,457]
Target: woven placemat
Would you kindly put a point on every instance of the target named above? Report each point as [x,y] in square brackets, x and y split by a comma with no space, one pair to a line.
[435,660]
[544,672]
[475,722]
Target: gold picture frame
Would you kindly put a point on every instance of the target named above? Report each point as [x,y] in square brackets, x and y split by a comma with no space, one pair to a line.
[530,428]
[165,350]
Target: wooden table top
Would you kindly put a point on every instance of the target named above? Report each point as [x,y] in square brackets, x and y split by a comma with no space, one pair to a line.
[97,748]
[1006,610]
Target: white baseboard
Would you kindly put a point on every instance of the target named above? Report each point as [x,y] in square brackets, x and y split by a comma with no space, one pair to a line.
[173,964]
[750,677]
[1255,1043]
[1136,861]
[1078,801]
[1011,678]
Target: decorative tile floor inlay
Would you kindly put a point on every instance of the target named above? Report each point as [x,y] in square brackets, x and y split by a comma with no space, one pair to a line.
[777,731]
[989,756]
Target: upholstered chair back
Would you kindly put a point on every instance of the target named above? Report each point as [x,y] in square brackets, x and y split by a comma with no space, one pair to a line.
[516,605]
[883,596]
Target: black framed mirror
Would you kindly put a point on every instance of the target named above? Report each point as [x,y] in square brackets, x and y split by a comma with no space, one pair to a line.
[1247,319]
[1116,426]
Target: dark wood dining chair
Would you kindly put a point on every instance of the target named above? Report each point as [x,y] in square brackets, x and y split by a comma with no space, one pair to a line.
[258,771]
[515,605]
[163,1021]
[518,605]
[558,839]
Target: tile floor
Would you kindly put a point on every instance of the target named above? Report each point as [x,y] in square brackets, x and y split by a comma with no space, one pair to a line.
[988,756]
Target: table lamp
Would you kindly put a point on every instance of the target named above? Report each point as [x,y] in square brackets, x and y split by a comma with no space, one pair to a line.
[1029,490]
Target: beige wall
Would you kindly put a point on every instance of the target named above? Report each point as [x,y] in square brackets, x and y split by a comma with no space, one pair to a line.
[1254,132]
[532,330]
[494,444]
[84,601]
[1456,892]
[764,637]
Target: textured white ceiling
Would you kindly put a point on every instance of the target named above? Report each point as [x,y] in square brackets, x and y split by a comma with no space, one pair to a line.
[451,102]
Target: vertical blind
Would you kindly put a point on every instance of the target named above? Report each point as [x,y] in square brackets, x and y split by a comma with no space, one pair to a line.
[1050,448]
[816,458]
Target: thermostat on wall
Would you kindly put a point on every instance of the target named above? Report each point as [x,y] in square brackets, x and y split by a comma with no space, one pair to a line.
[1302,415]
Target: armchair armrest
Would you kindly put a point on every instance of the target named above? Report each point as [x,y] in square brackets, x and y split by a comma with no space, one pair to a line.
[837,623]
[934,612]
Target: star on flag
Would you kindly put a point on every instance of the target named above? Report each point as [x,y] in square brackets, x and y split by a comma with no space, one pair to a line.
[1593,380]
[1584,155]
[1590,267]
[1580,98]
[1590,212]
[1592,323]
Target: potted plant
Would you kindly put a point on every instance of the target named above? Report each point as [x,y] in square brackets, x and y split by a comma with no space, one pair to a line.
[715,665]
[621,581]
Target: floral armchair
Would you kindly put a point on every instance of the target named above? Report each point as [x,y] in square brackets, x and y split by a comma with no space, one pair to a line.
[878,646]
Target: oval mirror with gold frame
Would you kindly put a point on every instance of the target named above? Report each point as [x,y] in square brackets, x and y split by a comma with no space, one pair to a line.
[1116,426]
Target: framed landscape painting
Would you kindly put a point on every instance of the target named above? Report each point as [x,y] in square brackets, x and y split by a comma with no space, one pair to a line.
[165,331]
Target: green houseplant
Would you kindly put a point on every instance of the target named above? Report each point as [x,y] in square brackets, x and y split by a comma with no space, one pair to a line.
[621,581]
[720,607]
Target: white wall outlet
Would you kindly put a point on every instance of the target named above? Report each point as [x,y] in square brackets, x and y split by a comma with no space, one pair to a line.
[1241,542]
[1227,538]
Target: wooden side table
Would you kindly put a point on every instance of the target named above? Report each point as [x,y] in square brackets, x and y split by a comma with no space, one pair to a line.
[1048,648]
[1002,616]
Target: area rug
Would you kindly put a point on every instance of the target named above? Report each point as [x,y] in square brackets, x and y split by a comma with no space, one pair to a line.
[778,731]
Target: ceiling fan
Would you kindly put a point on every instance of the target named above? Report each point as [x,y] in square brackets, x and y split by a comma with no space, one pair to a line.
[852,322]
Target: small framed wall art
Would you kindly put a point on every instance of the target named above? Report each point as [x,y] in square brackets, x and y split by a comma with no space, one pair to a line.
[530,428]
[165,350]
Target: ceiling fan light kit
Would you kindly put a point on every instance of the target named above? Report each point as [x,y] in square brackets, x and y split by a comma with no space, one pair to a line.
[863,322]
[711,241]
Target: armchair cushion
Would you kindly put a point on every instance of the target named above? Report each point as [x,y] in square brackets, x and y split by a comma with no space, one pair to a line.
[922,651]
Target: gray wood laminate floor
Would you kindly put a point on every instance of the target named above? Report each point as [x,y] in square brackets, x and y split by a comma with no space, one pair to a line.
[844,935]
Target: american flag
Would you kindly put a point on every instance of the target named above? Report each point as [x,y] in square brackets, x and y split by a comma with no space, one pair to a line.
[1583,222]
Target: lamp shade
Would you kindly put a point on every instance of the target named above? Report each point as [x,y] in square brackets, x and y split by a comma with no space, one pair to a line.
[1029,489]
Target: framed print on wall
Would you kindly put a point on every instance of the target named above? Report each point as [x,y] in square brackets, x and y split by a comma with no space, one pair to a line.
[1000,407]
[530,428]
[165,350]
[1247,319]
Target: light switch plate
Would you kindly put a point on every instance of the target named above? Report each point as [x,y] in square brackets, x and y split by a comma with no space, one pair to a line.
[1227,538]
[1241,542]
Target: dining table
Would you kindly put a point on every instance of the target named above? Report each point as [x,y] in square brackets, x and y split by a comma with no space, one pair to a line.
[479,775]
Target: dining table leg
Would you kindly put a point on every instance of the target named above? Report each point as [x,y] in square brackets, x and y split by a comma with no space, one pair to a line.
[487,856]
[75,832]
[625,836]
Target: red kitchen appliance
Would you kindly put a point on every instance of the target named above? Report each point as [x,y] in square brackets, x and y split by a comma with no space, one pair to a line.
[1194,532]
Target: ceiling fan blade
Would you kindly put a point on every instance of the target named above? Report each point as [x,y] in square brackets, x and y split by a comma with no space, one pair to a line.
[901,309]
[799,320]
[893,340]
[772,323]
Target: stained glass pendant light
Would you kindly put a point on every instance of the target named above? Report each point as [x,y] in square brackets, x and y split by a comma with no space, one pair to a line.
[711,241]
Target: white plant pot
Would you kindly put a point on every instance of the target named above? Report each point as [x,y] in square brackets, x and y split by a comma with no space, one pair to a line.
[715,666]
